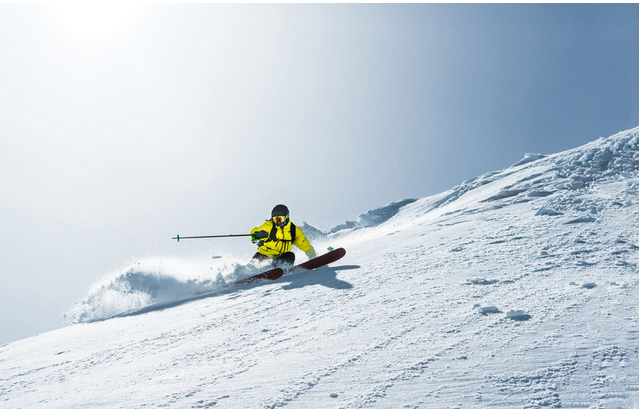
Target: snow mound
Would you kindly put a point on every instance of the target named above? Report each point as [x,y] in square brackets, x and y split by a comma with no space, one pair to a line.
[153,282]
[544,211]
[489,310]
[529,157]
[312,234]
[374,217]
[518,315]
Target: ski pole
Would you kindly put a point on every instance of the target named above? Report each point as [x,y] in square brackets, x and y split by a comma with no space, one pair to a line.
[178,238]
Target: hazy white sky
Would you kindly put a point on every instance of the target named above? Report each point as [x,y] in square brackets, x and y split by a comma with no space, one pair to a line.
[122,126]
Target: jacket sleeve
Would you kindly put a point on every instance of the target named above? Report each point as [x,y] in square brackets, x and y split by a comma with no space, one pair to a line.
[300,240]
[266,226]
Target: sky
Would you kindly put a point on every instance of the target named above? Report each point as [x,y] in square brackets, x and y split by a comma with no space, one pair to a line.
[121,126]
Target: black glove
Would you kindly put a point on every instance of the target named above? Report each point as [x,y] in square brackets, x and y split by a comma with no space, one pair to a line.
[262,234]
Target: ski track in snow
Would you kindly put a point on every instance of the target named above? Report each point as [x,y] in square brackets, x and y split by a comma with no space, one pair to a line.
[469,299]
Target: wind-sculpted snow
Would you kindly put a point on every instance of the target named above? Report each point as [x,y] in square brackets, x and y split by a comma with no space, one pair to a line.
[372,218]
[563,178]
[154,282]
[529,157]
[515,289]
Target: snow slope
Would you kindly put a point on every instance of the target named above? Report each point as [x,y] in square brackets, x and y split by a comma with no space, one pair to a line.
[518,288]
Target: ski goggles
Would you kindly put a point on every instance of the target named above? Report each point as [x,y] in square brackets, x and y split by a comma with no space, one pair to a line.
[280,219]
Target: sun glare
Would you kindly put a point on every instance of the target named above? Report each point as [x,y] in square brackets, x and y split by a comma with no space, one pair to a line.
[90,22]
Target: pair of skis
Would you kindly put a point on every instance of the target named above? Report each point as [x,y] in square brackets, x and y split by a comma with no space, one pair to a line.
[278,272]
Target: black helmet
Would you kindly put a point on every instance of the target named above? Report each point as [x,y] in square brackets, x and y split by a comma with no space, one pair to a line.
[279,215]
[279,210]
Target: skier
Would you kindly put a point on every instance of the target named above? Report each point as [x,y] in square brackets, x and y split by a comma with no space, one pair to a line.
[277,236]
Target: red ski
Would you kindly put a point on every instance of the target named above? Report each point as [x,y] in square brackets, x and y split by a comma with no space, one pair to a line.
[319,261]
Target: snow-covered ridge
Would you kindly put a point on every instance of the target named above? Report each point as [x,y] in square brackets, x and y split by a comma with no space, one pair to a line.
[558,176]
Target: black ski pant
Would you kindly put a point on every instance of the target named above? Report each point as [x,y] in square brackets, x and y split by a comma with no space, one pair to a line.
[286,258]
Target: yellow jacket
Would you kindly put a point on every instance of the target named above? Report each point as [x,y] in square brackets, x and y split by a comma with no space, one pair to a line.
[281,240]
